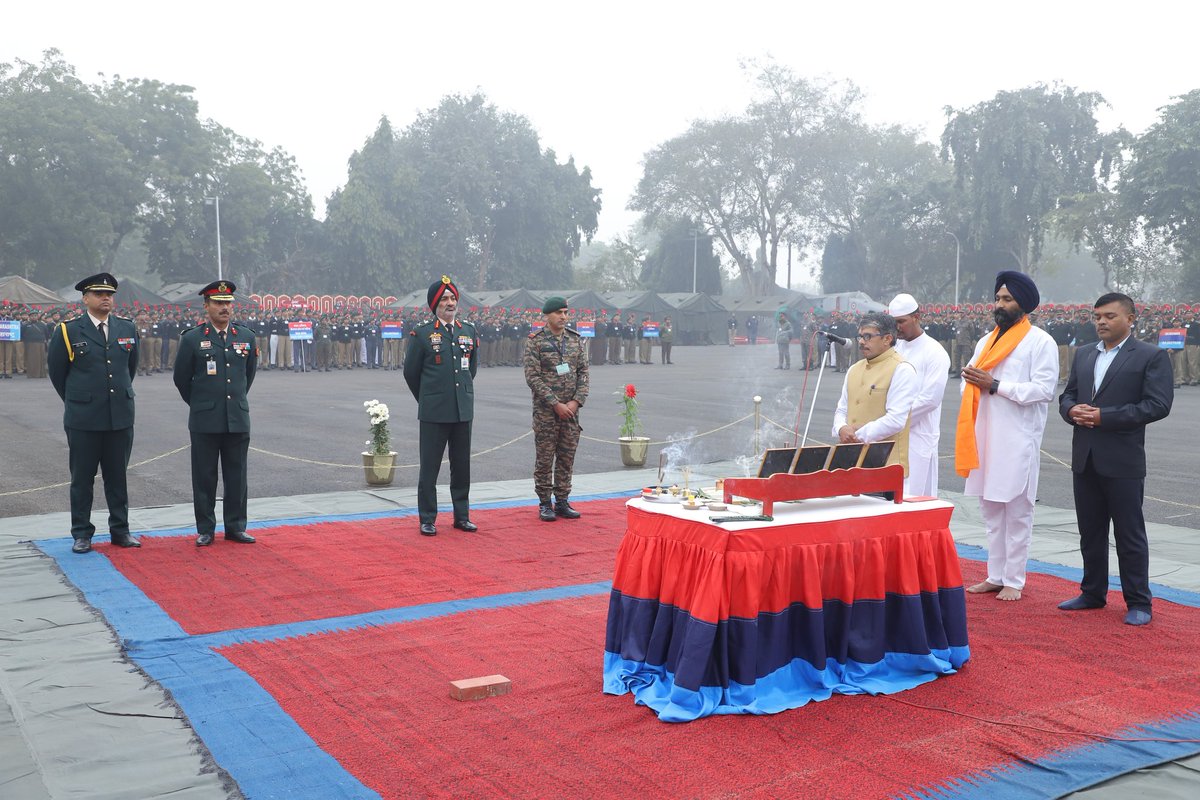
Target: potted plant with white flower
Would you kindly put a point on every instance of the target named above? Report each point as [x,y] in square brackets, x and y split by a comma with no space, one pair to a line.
[379,460]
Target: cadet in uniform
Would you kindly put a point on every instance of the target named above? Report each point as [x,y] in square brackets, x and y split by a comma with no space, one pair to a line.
[92,362]
[556,369]
[439,368]
[214,371]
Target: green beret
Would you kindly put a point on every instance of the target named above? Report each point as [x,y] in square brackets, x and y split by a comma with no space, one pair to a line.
[554,304]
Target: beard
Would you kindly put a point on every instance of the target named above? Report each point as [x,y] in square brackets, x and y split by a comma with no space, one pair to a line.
[1004,318]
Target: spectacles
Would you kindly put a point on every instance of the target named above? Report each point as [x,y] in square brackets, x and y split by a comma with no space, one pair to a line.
[866,337]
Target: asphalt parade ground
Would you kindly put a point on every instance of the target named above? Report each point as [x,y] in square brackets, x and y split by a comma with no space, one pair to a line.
[309,429]
[60,657]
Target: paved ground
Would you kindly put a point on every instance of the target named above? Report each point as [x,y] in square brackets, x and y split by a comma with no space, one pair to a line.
[62,673]
[308,430]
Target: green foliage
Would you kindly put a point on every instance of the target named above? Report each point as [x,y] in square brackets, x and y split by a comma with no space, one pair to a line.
[609,266]
[465,189]
[681,249]
[1163,183]
[84,167]
[751,180]
[1015,156]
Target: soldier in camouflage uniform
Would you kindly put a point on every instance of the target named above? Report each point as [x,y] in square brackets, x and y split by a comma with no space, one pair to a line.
[556,369]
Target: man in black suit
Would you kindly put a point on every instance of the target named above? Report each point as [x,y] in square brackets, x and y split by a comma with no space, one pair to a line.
[92,360]
[213,372]
[439,368]
[1116,387]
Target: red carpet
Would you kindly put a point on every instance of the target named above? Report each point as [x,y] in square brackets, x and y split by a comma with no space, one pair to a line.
[330,569]
[377,700]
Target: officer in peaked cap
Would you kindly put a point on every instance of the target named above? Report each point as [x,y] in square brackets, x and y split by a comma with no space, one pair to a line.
[92,360]
[213,371]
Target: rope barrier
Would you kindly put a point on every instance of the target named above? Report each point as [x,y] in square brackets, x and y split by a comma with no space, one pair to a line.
[674,441]
[68,483]
[396,466]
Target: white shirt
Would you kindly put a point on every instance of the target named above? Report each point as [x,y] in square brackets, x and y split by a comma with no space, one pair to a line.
[932,364]
[98,322]
[901,393]
[1104,361]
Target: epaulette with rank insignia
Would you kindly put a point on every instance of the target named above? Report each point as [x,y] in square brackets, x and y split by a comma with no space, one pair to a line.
[572,330]
[533,334]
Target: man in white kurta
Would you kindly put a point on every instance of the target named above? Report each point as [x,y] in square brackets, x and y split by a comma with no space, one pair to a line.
[1015,395]
[932,363]
[877,394]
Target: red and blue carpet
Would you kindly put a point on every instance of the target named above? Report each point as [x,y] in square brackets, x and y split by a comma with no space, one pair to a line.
[316,664]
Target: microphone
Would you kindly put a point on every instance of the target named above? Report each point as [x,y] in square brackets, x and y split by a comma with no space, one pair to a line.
[833,337]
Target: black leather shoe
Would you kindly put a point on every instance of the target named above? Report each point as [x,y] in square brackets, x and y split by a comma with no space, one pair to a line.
[1080,603]
[428,529]
[1138,616]
[546,512]
[240,537]
[204,540]
[563,509]
[82,546]
[125,540]
[466,525]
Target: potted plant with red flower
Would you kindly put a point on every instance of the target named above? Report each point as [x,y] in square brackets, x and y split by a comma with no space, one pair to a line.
[633,445]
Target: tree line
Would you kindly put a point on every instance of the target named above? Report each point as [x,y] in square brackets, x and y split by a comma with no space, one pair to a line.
[123,175]
[885,209]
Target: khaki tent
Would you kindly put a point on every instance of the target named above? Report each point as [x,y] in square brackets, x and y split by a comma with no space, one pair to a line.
[15,290]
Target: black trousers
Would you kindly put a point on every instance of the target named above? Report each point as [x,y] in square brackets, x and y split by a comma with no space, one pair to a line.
[1100,501]
[434,438]
[108,450]
[231,449]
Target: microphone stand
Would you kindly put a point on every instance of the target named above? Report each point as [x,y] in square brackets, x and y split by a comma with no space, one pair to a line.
[812,406]
[820,373]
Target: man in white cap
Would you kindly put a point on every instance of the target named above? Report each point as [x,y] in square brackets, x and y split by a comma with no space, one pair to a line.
[924,425]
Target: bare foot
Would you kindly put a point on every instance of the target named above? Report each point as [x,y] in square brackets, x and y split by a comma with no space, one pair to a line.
[984,588]
[1009,593]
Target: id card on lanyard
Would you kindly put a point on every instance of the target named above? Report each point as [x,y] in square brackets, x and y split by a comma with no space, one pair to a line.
[562,368]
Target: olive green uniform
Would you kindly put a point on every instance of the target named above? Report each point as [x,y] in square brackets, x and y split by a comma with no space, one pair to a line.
[555,440]
[93,374]
[213,374]
[439,367]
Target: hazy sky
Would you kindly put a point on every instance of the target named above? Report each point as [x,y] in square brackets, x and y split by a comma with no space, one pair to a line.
[604,82]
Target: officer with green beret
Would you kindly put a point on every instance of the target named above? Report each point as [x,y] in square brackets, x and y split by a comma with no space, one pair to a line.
[214,370]
[92,360]
[439,368]
[556,370]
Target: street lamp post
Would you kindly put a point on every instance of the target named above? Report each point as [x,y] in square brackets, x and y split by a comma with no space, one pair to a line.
[695,254]
[215,202]
[957,253]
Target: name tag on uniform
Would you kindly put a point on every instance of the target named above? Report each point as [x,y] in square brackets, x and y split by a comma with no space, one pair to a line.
[563,369]
[212,367]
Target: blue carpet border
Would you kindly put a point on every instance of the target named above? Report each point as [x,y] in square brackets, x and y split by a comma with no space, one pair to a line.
[226,712]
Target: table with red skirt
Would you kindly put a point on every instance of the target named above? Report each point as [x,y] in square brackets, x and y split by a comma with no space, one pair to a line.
[847,595]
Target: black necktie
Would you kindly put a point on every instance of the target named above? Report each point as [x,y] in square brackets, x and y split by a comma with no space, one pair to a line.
[222,335]
[103,333]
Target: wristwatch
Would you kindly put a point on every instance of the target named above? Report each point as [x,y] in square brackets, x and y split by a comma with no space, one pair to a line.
[995,385]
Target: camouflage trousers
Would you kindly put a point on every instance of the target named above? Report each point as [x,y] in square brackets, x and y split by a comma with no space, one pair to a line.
[555,441]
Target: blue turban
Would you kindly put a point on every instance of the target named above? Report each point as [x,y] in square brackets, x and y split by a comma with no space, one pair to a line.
[1021,287]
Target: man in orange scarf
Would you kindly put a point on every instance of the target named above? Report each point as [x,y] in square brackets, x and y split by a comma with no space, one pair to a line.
[1006,392]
